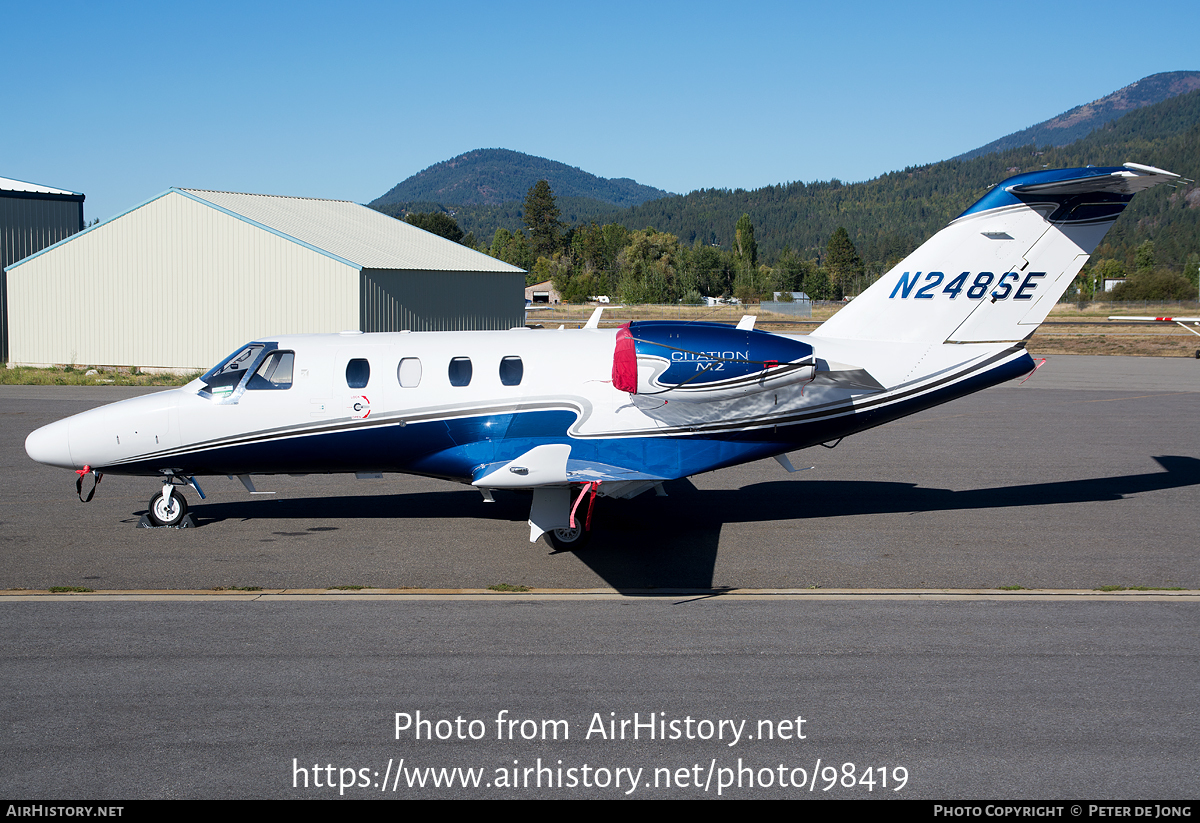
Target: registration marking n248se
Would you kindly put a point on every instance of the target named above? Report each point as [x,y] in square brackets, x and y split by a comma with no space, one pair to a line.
[976,290]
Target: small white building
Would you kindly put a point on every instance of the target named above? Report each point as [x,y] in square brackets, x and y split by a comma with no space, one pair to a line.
[181,280]
[542,293]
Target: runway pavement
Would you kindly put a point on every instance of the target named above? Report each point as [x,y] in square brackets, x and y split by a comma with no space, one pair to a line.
[945,700]
[1085,476]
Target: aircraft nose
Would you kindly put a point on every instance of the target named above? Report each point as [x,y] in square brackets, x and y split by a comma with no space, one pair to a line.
[51,445]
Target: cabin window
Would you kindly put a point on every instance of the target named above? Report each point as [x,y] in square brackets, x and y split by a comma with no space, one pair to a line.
[409,372]
[511,371]
[460,371]
[358,373]
[274,373]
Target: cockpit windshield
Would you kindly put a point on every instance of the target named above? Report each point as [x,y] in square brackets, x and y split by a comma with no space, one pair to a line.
[223,378]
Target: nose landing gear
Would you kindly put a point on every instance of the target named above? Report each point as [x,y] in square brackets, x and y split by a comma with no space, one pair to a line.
[167,509]
[170,508]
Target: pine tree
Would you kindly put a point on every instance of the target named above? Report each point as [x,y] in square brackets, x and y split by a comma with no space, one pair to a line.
[436,222]
[842,260]
[747,249]
[541,216]
[1145,256]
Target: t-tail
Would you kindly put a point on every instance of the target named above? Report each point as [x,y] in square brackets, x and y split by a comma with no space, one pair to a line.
[994,273]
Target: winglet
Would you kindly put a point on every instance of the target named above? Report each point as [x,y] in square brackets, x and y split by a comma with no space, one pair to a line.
[747,322]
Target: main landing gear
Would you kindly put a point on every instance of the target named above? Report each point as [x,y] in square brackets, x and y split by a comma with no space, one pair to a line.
[568,540]
[556,515]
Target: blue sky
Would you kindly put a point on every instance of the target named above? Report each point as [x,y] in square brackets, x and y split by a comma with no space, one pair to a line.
[121,101]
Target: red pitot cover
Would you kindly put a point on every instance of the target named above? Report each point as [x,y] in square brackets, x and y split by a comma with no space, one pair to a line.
[624,373]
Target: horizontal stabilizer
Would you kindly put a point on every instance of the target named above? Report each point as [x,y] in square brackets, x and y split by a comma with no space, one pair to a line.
[1130,179]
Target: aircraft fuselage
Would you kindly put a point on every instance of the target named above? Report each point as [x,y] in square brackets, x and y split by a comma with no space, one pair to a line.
[474,399]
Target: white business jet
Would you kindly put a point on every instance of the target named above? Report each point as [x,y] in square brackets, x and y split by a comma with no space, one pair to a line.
[575,413]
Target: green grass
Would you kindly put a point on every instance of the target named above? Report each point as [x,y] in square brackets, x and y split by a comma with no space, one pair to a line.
[58,589]
[237,588]
[78,376]
[505,587]
[1012,588]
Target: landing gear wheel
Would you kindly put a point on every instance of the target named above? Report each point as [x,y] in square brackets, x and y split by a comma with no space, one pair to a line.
[568,540]
[162,514]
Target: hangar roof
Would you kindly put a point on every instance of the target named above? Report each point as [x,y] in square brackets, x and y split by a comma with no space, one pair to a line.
[350,232]
[9,184]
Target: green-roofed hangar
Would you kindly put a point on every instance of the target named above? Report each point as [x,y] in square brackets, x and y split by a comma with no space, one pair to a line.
[183,279]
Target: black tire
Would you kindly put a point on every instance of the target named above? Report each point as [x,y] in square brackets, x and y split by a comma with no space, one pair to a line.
[568,540]
[161,515]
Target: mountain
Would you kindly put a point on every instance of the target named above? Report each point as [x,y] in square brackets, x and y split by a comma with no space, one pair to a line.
[1083,120]
[491,177]
[887,217]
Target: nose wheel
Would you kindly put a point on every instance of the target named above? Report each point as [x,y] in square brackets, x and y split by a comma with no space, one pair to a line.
[170,508]
[169,511]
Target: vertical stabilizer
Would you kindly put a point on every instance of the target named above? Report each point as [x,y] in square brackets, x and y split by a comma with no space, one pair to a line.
[995,272]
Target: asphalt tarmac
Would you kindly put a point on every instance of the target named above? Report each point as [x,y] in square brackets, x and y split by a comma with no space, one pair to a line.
[983,699]
[1085,476]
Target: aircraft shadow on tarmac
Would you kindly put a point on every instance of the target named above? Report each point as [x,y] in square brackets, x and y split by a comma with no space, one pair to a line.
[652,542]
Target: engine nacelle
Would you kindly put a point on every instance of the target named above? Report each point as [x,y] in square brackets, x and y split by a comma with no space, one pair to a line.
[706,361]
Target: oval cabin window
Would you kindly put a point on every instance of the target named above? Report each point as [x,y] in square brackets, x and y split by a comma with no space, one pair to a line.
[358,373]
[460,371]
[408,373]
[511,371]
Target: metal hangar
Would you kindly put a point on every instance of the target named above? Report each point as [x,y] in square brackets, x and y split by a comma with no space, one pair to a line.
[183,279]
[32,217]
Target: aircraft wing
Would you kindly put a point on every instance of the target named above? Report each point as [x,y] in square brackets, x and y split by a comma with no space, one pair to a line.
[551,465]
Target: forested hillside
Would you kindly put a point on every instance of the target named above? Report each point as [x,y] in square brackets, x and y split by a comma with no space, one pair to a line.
[1082,120]
[828,238]
[483,221]
[889,216]
[491,177]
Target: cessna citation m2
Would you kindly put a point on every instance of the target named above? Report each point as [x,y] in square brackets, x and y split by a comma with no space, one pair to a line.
[572,414]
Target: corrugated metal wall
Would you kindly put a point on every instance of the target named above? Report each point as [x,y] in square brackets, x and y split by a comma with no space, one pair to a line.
[29,224]
[441,301]
[174,284]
